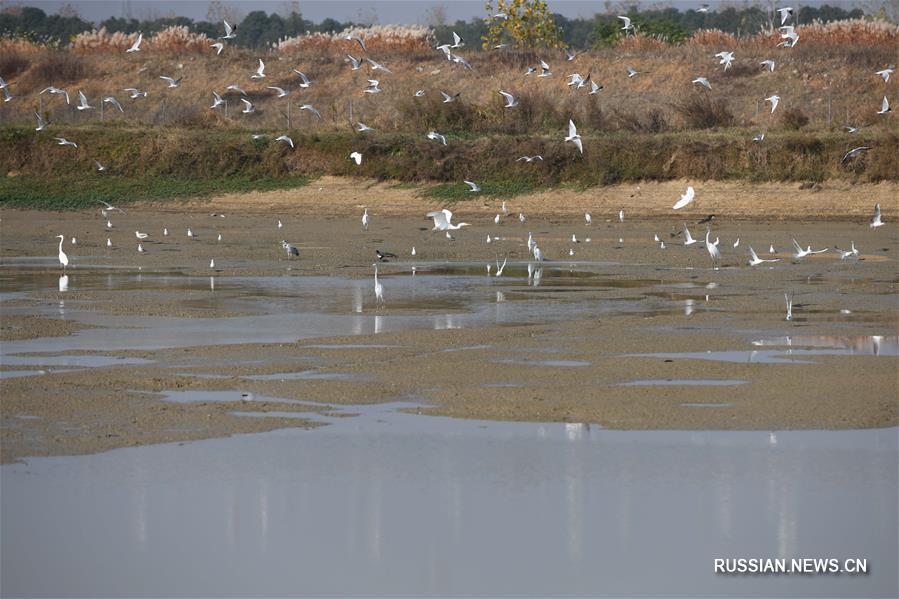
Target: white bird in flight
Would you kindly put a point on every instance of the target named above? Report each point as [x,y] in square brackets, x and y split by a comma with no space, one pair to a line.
[785,14]
[236,88]
[280,91]
[356,157]
[230,32]
[171,81]
[876,221]
[884,106]
[219,46]
[473,187]
[362,127]
[530,158]
[885,73]
[304,80]
[703,81]
[112,101]
[83,104]
[631,71]
[437,137]
[286,139]
[41,123]
[135,93]
[627,26]
[311,109]
[688,239]
[135,47]
[685,199]
[62,141]
[443,221]
[56,91]
[768,63]
[775,99]
[754,259]
[511,102]
[727,58]
[573,136]
[248,106]
[216,100]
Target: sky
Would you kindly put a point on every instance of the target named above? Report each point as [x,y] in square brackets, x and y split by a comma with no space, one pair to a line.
[387,11]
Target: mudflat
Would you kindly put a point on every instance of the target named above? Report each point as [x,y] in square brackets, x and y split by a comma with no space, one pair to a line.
[621,334]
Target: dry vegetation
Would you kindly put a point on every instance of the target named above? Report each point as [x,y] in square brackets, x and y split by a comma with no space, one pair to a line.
[826,82]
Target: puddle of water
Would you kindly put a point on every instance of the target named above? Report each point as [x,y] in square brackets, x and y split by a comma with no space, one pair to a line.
[698,382]
[857,345]
[87,361]
[561,363]
[308,375]
[762,356]
[349,346]
[395,504]
[196,396]
[8,374]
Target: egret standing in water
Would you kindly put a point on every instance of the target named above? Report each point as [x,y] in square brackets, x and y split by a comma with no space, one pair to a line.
[714,253]
[365,223]
[63,259]
[379,289]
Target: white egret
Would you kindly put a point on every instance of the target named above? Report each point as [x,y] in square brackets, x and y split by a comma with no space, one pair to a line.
[685,199]
[413,250]
[754,259]
[189,232]
[63,259]
[737,242]
[588,218]
[500,269]
[212,263]
[789,301]
[538,254]
[379,288]
[496,219]
[621,216]
[521,217]
[443,221]
[365,219]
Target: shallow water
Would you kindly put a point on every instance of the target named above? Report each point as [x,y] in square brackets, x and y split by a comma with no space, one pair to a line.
[391,503]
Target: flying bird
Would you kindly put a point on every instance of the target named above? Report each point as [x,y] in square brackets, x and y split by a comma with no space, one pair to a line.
[884,106]
[768,63]
[443,221]
[373,87]
[111,100]
[688,239]
[57,91]
[785,13]
[437,137]
[41,123]
[448,98]
[236,88]
[216,100]
[285,139]
[685,199]
[885,73]
[703,81]
[355,63]
[100,167]
[876,221]
[280,91]
[530,158]
[511,102]
[304,80]
[248,106]
[356,157]
[311,109]
[754,259]
[135,93]
[631,71]
[219,46]
[62,141]
[172,82]
[230,32]
[473,187]
[135,47]
[544,69]
[376,66]
[260,71]
[727,58]
[82,102]
[358,40]
[853,153]
[362,127]
[627,26]
[774,101]
[573,136]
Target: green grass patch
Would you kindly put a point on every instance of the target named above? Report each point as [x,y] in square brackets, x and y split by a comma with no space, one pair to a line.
[70,192]
[459,192]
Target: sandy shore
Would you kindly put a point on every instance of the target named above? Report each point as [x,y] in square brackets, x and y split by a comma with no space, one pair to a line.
[577,369]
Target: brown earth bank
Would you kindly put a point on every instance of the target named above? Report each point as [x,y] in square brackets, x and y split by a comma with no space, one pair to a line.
[566,369]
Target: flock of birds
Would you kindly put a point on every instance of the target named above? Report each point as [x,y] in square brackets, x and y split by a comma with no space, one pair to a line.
[443,219]
[576,81]
[443,222]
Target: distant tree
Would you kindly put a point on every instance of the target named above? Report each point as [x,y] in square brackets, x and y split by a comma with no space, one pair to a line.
[435,16]
[330,26]
[527,23]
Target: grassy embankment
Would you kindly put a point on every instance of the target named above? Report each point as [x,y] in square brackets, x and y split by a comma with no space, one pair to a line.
[153,163]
